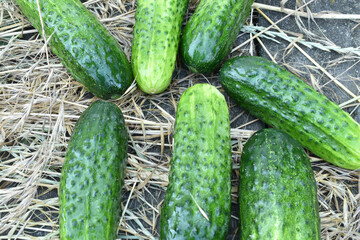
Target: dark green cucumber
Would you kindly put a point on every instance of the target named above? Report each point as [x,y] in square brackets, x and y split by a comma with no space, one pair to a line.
[88,51]
[284,101]
[211,31]
[198,198]
[277,191]
[93,175]
[155,45]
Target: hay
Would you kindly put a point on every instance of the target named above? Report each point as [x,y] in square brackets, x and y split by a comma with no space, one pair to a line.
[40,103]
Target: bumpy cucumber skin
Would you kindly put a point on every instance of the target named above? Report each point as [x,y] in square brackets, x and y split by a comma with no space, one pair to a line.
[284,101]
[155,44]
[91,55]
[93,175]
[200,168]
[211,31]
[277,191]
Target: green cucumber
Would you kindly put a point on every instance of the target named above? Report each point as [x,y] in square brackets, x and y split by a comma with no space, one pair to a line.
[284,101]
[277,190]
[93,175]
[211,31]
[88,51]
[155,45]
[200,175]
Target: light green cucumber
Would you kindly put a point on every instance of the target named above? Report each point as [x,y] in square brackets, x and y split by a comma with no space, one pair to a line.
[155,45]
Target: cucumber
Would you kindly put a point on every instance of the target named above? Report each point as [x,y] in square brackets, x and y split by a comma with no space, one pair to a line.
[155,44]
[88,51]
[211,31]
[93,175]
[284,101]
[200,174]
[277,190]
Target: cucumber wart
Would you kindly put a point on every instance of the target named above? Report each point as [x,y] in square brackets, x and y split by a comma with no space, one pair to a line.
[284,101]
[277,189]
[93,175]
[88,51]
[198,199]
